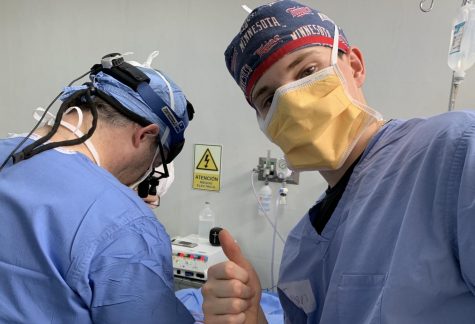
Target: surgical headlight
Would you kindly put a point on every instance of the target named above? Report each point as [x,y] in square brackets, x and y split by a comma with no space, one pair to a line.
[116,67]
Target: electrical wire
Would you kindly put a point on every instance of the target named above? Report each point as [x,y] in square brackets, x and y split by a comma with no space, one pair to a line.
[274,234]
[79,78]
[277,214]
[39,122]
[31,132]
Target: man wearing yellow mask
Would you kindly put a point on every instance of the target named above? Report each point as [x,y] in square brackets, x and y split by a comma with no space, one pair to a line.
[391,240]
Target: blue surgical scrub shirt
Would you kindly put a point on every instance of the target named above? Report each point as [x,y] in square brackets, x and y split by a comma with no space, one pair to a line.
[77,246]
[400,245]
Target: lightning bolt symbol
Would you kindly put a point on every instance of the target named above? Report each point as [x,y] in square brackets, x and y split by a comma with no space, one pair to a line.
[206,160]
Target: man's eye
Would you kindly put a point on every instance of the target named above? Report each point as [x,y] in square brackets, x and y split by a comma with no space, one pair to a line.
[265,106]
[308,71]
[268,102]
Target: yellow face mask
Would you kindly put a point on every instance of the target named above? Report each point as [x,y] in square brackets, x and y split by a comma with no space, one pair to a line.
[315,122]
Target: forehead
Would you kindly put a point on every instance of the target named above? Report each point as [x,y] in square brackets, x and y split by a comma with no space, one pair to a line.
[283,71]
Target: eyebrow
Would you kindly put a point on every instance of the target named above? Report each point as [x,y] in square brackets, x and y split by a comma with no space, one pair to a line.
[298,60]
[292,65]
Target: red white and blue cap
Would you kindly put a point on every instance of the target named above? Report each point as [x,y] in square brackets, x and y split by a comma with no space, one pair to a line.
[270,32]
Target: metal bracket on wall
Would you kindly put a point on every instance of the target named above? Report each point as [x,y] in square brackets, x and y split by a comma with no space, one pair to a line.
[271,168]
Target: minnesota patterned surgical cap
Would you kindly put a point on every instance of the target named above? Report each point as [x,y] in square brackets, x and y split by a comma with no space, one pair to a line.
[272,31]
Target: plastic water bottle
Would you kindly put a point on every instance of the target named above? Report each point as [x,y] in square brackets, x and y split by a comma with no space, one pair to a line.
[462,42]
[206,221]
[265,198]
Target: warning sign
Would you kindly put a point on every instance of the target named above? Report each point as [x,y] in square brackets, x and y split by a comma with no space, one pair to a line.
[207,162]
[207,167]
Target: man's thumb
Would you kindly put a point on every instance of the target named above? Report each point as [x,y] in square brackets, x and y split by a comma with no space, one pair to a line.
[232,250]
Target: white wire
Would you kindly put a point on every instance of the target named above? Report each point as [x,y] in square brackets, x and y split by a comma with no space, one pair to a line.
[262,208]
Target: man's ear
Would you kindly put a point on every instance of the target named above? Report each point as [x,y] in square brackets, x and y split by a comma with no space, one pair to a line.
[357,64]
[145,134]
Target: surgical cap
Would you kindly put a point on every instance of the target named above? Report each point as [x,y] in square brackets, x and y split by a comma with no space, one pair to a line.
[272,31]
[133,101]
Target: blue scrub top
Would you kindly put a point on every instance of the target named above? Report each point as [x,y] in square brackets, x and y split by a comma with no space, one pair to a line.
[77,246]
[400,245]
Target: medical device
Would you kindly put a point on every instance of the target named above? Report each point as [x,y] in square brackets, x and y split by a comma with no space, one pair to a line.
[192,256]
[206,220]
[461,55]
[276,169]
[266,215]
[115,66]
[264,196]
[281,202]
[270,169]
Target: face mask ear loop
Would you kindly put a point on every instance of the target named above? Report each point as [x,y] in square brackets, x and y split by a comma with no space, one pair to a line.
[334,58]
[336,40]
[37,146]
[79,134]
[48,119]
[170,91]
[76,130]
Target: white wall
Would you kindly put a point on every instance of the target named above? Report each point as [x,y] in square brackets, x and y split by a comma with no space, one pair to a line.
[45,44]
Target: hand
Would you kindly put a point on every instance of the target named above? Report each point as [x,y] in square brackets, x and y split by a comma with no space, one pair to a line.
[232,293]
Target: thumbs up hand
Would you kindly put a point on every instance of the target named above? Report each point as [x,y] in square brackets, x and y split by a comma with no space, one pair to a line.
[233,292]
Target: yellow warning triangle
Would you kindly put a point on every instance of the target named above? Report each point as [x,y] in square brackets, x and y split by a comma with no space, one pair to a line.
[207,162]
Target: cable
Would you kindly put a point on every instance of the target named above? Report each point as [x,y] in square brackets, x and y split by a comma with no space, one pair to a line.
[31,132]
[277,208]
[260,205]
[274,234]
[79,78]
[280,203]
[38,123]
